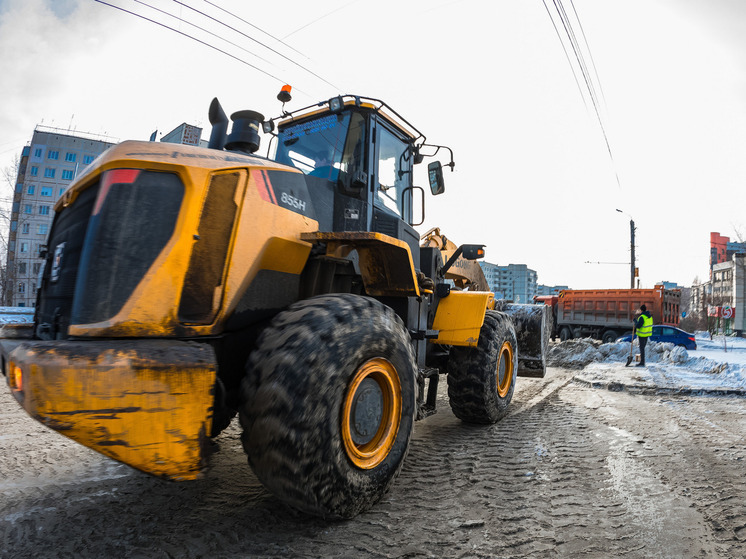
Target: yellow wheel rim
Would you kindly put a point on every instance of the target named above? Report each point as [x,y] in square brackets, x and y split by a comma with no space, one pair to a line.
[371,413]
[504,369]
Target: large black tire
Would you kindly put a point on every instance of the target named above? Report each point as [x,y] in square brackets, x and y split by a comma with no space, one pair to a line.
[329,403]
[609,337]
[481,379]
[565,334]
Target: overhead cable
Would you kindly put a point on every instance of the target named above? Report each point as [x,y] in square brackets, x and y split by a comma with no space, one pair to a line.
[587,78]
[256,41]
[203,30]
[242,61]
[254,26]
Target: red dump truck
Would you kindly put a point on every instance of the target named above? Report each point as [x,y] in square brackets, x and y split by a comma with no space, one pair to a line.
[606,314]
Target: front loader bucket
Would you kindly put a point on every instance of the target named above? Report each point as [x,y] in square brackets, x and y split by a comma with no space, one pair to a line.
[147,403]
[533,327]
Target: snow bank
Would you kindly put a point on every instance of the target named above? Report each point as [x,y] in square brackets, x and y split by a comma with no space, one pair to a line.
[710,358]
[9,315]
[578,353]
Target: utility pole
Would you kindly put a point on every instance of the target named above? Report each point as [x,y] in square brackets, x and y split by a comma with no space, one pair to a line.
[632,252]
[632,268]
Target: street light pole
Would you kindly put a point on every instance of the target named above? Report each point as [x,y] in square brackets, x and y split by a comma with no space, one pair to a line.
[631,250]
[632,253]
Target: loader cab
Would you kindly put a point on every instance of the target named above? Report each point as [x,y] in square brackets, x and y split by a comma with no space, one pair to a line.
[358,164]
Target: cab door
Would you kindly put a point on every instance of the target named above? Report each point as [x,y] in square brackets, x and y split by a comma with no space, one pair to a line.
[392,177]
[392,173]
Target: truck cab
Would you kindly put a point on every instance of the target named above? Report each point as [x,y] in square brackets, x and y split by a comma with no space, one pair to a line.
[358,161]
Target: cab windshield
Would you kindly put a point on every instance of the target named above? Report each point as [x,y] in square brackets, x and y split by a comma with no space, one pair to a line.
[316,147]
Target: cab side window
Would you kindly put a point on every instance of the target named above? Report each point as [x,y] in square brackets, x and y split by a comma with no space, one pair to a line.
[392,171]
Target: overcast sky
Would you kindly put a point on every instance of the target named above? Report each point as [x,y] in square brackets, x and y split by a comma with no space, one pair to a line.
[534,180]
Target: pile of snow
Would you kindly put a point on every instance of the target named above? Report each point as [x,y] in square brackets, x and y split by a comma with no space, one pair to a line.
[12,315]
[578,353]
[721,359]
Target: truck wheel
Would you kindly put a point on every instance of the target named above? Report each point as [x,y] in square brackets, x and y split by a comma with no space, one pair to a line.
[329,403]
[609,337]
[565,334]
[481,379]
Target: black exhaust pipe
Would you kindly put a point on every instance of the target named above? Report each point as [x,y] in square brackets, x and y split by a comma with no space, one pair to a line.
[219,122]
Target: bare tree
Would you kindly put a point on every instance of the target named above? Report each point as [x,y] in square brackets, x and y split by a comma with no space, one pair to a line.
[7,191]
[739,231]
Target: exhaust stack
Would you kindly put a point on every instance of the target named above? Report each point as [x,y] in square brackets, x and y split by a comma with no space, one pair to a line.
[219,122]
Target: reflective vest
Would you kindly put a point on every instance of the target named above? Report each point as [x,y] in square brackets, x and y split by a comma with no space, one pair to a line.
[647,327]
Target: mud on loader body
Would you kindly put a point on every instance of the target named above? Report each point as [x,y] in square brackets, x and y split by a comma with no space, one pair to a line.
[185,285]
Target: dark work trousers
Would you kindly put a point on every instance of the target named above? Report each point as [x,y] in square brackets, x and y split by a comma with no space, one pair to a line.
[643,343]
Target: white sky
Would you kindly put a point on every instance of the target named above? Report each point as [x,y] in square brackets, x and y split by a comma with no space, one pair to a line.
[533,180]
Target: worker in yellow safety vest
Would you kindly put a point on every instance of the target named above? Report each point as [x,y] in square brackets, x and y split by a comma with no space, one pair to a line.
[643,329]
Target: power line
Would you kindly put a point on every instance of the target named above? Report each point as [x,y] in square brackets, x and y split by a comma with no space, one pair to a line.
[588,48]
[202,29]
[242,61]
[256,41]
[320,18]
[577,51]
[567,54]
[254,26]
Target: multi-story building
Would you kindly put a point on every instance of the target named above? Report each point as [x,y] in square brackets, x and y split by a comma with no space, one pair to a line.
[728,289]
[550,289]
[722,249]
[47,166]
[514,282]
[185,134]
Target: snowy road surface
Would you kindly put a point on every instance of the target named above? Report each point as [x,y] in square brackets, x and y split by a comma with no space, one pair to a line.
[600,460]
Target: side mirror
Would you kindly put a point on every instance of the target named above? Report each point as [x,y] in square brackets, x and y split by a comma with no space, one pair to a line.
[435,174]
[472,252]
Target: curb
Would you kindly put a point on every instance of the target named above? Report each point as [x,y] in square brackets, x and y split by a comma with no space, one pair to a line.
[616,386]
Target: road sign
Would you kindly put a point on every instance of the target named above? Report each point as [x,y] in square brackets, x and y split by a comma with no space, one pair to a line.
[727,312]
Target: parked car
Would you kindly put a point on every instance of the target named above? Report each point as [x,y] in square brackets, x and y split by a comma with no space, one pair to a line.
[668,334]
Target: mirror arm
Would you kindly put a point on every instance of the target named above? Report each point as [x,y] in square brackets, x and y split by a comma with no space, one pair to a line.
[451,260]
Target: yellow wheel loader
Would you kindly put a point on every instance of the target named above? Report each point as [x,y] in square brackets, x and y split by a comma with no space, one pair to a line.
[183,286]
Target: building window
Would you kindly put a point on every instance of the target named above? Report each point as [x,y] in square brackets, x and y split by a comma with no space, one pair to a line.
[70,157]
[37,152]
[49,173]
[67,175]
[24,247]
[27,209]
[21,287]
[25,228]
[35,267]
[43,228]
[62,190]
[46,190]
[34,171]
[43,210]
[13,226]
[31,189]
[53,154]
[22,268]
[87,159]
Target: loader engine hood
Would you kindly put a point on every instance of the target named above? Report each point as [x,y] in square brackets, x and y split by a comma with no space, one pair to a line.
[144,244]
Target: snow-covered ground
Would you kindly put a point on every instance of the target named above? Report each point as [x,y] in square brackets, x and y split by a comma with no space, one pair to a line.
[718,365]
[16,314]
